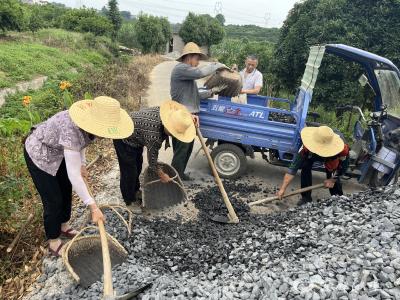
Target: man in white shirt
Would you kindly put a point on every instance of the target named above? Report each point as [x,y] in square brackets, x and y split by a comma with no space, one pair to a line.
[252,78]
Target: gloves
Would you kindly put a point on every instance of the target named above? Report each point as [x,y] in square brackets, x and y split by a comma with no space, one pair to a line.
[219,88]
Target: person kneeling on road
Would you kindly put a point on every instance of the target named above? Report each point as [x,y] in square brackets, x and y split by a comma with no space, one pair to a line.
[320,144]
[153,126]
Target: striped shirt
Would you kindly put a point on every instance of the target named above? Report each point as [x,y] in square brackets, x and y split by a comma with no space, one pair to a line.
[149,132]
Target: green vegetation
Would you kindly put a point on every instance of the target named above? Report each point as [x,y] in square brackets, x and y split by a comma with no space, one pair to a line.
[11,15]
[232,51]
[114,17]
[252,33]
[152,33]
[204,30]
[369,25]
[23,61]
[127,35]
[86,20]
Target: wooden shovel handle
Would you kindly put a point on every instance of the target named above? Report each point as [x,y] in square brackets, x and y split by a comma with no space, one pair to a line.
[107,286]
[232,214]
[273,198]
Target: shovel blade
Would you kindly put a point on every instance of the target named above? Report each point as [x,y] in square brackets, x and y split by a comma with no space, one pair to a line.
[130,295]
[222,219]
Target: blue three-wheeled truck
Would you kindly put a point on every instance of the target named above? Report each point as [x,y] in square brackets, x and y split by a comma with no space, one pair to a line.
[236,131]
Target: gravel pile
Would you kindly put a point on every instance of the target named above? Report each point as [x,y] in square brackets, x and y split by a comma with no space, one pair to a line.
[339,248]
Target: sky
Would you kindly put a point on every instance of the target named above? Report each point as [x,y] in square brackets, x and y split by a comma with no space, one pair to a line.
[265,13]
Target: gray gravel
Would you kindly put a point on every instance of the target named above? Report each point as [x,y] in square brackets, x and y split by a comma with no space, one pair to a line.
[339,248]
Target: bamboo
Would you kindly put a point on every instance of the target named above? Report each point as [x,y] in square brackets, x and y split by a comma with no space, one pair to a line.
[296,192]
[232,214]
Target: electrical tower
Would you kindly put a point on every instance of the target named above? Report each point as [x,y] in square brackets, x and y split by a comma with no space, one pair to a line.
[218,8]
[267,18]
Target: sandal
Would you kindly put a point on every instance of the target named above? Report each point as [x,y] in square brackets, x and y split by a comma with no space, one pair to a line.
[69,233]
[56,253]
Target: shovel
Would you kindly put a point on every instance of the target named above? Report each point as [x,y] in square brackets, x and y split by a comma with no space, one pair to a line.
[231,218]
[296,192]
[82,259]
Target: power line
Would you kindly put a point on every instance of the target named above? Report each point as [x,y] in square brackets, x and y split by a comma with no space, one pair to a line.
[172,11]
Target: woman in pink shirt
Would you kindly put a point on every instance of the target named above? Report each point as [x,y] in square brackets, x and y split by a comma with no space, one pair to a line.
[55,156]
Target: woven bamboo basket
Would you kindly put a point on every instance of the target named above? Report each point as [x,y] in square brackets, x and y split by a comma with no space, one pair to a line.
[157,195]
[83,257]
[232,79]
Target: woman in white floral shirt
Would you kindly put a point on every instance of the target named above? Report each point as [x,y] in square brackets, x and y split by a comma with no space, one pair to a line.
[55,157]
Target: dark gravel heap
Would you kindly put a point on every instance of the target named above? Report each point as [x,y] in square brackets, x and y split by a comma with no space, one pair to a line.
[339,248]
[281,117]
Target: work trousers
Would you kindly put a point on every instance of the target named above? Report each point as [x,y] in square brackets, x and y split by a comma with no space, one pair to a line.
[306,181]
[56,195]
[182,152]
[130,160]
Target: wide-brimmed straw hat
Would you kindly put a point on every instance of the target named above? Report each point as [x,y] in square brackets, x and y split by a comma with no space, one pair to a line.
[178,121]
[192,48]
[322,141]
[102,117]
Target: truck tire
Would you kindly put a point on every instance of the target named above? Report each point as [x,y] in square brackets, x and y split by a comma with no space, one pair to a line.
[375,182]
[229,160]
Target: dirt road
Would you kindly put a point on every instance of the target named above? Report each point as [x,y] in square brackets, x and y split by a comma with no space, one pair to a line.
[259,171]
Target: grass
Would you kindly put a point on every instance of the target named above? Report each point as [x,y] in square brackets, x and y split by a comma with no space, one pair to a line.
[21,62]
[50,52]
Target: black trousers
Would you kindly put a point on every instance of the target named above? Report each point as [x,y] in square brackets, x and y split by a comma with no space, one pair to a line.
[182,152]
[130,160]
[56,195]
[306,181]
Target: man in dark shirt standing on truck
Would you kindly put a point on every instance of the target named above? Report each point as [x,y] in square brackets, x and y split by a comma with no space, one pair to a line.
[323,145]
[185,91]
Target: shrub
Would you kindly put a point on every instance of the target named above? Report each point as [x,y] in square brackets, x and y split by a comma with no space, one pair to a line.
[127,35]
[11,15]
[152,33]
[86,20]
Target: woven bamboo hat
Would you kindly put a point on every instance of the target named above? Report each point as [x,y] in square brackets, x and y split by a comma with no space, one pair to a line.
[192,48]
[102,117]
[178,121]
[322,141]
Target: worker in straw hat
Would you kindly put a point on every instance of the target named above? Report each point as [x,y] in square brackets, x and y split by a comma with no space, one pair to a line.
[320,144]
[153,126]
[55,156]
[185,91]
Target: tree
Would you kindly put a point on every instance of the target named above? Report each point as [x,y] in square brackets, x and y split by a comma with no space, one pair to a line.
[204,30]
[127,35]
[86,20]
[35,21]
[114,16]
[369,25]
[221,19]
[126,15]
[11,15]
[152,33]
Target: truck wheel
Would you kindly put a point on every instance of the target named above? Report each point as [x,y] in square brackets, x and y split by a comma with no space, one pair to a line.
[375,180]
[229,160]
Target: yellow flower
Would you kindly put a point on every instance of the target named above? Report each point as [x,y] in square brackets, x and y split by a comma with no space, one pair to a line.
[26,100]
[65,85]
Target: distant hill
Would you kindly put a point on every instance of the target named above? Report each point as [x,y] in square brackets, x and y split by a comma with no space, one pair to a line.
[252,32]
